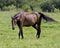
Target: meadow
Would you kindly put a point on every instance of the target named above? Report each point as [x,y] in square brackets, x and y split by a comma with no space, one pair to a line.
[50,33]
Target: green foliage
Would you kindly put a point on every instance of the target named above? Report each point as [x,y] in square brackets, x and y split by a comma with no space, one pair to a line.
[19,3]
[12,7]
[45,5]
[56,10]
[38,9]
[56,3]
[26,7]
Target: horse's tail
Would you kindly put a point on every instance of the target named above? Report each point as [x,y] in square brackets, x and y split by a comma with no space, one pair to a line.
[47,18]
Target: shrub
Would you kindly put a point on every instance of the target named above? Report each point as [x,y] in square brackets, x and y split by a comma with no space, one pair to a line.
[26,7]
[47,6]
[56,10]
[8,8]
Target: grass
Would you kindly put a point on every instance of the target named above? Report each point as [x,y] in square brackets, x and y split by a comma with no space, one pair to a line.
[50,33]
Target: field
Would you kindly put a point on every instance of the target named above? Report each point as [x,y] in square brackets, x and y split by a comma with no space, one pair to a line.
[50,33]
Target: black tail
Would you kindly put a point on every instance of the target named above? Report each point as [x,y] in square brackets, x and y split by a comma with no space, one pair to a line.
[48,19]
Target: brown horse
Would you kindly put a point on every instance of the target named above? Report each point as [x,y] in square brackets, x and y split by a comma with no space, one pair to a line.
[29,19]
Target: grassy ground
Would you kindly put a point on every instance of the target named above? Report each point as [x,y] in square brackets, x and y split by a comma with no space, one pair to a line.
[50,35]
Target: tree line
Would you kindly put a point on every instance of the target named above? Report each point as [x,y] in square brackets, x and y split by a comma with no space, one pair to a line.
[36,5]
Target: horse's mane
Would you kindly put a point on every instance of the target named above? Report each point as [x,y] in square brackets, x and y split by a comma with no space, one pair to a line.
[17,15]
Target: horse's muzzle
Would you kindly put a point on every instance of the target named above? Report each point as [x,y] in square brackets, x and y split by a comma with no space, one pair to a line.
[13,28]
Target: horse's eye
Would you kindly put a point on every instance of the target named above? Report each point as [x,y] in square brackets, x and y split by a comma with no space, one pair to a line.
[15,20]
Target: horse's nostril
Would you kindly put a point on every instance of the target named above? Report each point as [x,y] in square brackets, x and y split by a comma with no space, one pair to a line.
[13,28]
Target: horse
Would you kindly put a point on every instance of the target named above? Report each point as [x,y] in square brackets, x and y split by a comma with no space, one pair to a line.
[29,19]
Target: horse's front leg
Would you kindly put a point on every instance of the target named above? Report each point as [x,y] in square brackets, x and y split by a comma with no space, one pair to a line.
[20,32]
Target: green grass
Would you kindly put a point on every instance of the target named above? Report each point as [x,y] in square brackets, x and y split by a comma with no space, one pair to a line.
[50,33]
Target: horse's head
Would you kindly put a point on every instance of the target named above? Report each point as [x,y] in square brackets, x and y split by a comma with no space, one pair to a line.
[15,18]
[14,21]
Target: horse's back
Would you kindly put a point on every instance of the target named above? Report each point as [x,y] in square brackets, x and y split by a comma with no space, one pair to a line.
[29,19]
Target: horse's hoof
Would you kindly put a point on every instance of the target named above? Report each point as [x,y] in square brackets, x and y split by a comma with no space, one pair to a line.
[22,37]
[37,36]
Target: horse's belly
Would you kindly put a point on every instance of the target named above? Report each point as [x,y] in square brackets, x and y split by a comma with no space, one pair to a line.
[28,23]
[30,20]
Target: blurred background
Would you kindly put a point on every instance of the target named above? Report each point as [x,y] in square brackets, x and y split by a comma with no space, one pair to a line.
[29,5]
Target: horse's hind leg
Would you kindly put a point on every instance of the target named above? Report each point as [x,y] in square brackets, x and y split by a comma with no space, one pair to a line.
[37,27]
[38,32]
